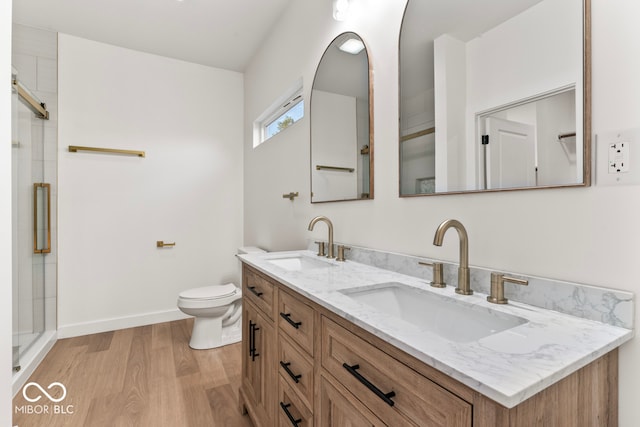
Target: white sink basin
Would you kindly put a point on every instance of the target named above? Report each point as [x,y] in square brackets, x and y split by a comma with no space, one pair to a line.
[299,262]
[446,317]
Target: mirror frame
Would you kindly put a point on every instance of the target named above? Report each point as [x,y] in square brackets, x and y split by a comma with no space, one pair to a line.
[586,117]
[371,136]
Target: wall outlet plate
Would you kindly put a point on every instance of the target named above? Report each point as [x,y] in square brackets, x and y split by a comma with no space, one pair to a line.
[618,157]
[617,160]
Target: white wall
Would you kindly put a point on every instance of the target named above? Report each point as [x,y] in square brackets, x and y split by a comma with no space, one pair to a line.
[335,144]
[568,234]
[5,214]
[450,90]
[113,209]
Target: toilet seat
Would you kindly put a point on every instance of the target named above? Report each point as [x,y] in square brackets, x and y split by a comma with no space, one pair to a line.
[209,292]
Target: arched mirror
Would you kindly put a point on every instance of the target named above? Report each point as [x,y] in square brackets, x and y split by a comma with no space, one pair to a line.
[341,130]
[494,95]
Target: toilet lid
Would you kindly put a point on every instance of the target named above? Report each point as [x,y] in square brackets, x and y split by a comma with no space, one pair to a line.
[210,292]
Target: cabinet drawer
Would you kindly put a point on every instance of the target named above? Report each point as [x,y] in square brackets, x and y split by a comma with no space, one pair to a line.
[399,395]
[259,291]
[338,408]
[295,318]
[297,370]
[292,411]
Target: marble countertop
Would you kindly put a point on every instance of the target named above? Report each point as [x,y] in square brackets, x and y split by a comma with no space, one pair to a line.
[508,366]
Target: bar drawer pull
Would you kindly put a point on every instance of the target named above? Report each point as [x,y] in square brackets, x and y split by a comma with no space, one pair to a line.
[253,291]
[293,376]
[384,396]
[285,408]
[252,340]
[287,317]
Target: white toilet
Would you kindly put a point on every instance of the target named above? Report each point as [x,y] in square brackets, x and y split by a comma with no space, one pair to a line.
[213,307]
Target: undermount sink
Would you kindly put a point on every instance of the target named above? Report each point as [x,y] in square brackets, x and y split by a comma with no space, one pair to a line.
[297,262]
[429,312]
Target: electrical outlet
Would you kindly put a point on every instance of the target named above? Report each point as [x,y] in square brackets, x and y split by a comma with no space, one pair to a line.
[617,158]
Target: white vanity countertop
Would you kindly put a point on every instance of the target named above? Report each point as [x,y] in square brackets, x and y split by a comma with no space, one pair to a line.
[508,367]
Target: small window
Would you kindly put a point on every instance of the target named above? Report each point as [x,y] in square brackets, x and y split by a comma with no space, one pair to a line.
[282,114]
[292,114]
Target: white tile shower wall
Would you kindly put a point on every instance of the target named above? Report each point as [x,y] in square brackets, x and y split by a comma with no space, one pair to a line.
[35,57]
[605,305]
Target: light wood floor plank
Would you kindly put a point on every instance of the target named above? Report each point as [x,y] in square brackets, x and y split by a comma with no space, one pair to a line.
[223,403]
[138,377]
[185,362]
[100,342]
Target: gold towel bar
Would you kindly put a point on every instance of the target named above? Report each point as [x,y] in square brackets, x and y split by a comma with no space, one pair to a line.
[161,244]
[334,168]
[75,149]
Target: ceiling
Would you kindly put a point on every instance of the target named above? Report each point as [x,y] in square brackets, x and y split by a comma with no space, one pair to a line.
[218,33]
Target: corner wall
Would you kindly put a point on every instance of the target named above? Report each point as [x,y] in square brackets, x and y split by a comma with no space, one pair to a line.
[586,235]
[113,208]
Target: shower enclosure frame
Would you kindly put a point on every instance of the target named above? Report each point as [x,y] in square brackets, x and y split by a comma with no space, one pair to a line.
[33,337]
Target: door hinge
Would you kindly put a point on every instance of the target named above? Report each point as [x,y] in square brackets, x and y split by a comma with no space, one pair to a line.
[485,139]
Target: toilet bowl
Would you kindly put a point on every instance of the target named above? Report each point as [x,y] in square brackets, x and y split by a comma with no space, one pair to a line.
[213,307]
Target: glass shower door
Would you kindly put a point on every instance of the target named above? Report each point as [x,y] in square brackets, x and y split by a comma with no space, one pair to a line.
[29,224]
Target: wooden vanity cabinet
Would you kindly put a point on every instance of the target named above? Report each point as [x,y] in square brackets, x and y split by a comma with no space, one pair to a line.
[258,392]
[318,369]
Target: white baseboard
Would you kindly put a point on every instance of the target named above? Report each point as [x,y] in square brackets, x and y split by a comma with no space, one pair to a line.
[105,325]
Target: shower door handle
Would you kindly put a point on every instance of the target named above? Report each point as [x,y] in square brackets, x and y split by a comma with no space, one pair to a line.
[41,218]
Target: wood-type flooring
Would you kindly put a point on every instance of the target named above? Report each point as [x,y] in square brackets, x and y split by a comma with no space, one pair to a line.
[138,377]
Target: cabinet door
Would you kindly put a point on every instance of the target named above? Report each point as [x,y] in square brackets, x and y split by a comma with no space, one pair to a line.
[259,373]
[338,408]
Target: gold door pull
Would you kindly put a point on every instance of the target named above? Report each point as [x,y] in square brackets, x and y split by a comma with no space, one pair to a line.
[161,244]
[290,196]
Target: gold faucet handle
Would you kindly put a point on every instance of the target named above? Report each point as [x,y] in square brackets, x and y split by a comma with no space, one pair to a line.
[438,274]
[341,249]
[320,248]
[497,287]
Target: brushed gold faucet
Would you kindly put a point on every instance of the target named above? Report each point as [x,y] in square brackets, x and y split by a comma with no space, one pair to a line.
[330,225]
[497,287]
[464,288]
